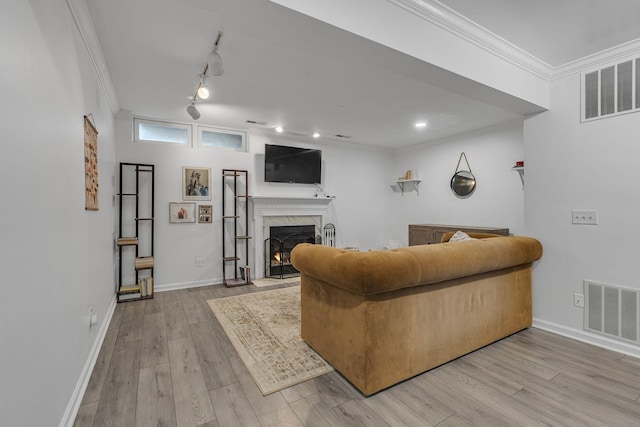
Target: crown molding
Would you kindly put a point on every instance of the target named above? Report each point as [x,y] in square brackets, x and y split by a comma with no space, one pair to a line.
[612,55]
[84,23]
[459,25]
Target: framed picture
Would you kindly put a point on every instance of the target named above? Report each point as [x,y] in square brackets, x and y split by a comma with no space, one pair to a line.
[205,213]
[182,212]
[196,183]
[90,165]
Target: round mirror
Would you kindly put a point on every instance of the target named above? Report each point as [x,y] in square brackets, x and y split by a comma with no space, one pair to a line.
[463,183]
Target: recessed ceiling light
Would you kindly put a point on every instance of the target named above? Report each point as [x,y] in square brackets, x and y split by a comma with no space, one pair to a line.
[279,129]
[316,135]
[421,124]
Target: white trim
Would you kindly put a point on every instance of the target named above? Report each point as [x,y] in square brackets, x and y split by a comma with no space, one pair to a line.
[459,25]
[71,412]
[587,337]
[598,60]
[186,285]
[84,23]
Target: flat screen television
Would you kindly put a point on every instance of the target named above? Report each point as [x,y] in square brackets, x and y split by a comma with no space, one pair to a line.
[292,164]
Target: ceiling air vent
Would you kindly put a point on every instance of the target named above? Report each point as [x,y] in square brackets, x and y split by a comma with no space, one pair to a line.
[256,122]
[611,90]
[343,136]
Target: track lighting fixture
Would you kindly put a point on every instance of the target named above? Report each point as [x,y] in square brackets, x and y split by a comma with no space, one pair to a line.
[213,67]
[214,60]
[202,92]
[193,112]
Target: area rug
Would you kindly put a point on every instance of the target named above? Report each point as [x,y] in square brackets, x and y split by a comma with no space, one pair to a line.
[264,328]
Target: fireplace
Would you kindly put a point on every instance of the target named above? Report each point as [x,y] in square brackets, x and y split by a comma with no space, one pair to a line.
[282,239]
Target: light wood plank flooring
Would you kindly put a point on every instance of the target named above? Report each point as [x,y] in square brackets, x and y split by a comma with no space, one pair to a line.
[167,362]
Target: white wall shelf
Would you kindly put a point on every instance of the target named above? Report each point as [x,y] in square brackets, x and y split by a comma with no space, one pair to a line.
[405,185]
[520,170]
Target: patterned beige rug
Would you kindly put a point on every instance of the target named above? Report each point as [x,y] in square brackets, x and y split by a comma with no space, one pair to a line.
[264,327]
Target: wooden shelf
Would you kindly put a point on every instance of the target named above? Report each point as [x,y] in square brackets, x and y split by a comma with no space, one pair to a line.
[243,237]
[127,241]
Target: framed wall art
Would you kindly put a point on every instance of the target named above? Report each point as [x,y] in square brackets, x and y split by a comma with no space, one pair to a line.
[196,183]
[205,213]
[90,165]
[182,212]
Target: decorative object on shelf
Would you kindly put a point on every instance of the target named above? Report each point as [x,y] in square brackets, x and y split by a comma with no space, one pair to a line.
[213,67]
[196,183]
[182,212]
[408,182]
[519,167]
[90,165]
[235,228]
[463,183]
[329,235]
[135,231]
[205,213]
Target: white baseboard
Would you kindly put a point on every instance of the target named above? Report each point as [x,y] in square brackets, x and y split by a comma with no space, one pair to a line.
[71,412]
[588,337]
[186,285]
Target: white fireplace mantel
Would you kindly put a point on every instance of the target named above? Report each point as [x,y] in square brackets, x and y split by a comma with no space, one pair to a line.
[273,206]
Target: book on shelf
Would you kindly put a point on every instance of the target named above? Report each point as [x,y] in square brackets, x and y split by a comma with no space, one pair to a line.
[146,286]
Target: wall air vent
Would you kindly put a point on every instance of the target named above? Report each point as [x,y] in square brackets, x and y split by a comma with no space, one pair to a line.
[611,90]
[612,311]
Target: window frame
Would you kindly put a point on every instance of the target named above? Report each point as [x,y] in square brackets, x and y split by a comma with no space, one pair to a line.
[136,132]
[242,133]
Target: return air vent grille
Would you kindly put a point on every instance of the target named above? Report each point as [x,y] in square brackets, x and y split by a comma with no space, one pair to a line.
[612,311]
[611,90]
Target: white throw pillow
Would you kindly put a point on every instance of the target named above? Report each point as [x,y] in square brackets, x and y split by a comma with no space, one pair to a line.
[459,236]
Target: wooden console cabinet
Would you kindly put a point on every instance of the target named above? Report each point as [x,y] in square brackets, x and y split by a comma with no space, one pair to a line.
[425,234]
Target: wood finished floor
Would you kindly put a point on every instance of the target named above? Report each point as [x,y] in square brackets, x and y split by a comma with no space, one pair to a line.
[167,362]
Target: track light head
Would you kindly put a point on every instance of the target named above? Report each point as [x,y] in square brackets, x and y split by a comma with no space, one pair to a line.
[214,60]
[215,63]
[193,112]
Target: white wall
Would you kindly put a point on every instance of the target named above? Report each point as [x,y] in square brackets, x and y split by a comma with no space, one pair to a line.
[498,200]
[573,165]
[56,259]
[357,177]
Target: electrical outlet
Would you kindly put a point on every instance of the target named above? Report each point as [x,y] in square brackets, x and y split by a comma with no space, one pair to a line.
[93,318]
[578,300]
[198,262]
[584,217]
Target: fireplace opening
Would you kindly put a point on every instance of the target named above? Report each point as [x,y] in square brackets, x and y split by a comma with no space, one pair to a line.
[278,247]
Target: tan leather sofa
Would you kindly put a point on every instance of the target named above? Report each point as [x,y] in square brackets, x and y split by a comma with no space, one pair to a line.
[382,317]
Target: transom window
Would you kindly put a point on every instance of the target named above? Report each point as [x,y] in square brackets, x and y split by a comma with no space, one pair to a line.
[156,131]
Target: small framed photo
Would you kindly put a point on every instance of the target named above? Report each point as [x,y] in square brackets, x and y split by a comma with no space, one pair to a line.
[205,213]
[196,183]
[182,212]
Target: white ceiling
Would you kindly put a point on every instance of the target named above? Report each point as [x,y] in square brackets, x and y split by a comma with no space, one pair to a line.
[284,68]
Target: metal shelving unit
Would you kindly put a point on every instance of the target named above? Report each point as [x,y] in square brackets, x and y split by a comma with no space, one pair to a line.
[235,228]
[136,201]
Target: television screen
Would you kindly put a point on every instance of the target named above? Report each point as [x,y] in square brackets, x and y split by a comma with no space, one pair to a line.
[292,164]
